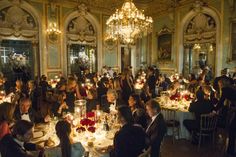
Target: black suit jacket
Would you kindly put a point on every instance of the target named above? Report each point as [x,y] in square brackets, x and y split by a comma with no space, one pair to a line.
[35,117]
[9,148]
[228,93]
[156,133]
[105,105]
[129,141]
[216,80]
[140,117]
[34,95]
[201,107]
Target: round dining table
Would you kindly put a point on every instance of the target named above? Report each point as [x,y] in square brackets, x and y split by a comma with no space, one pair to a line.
[180,108]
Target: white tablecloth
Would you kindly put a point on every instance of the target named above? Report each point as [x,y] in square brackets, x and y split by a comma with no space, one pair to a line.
[181,116]
[100,139]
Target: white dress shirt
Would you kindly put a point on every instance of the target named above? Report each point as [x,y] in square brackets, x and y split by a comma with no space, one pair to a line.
[25,117]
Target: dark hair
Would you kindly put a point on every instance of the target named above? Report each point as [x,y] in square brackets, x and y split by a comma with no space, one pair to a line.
[63,130]
[200,95]
[125,112]
[6,111]
[21,127]
[138,101]
[193,77]
[154,105]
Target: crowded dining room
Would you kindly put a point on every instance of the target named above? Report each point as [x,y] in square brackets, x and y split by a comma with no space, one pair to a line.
[117,78]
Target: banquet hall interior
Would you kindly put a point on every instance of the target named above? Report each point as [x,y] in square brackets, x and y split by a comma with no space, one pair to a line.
[117,78]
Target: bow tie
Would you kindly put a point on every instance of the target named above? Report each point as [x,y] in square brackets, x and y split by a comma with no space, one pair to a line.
[24,114]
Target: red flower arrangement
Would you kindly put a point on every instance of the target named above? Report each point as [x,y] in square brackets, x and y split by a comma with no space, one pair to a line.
[187,97]
[90,115]
[87,122]
[80,129]
[91,129]
[175,97]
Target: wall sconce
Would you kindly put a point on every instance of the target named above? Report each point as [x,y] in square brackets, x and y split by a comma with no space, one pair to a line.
[53,32]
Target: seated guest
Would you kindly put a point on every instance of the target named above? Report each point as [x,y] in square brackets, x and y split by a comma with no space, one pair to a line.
[66,148]
[229,93]
[25,112]
[102,88]
[174,88]
[201,106]
[137,109]
[15,145]
[156,129]
[20,91]
[33,95]
[60,106]
[92,101]
[225,76]
[192,82]
[162,83]
[6,116]
[61,85]
[145,94]
[111,98]
[130,140]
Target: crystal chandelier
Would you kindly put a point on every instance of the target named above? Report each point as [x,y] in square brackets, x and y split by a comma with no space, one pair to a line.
[128,23]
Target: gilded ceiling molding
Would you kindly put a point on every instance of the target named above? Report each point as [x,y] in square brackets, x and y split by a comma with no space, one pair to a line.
[17,22]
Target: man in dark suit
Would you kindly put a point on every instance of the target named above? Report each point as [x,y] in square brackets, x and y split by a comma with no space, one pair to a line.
[25,112]
[156,129]
[130,140]
[225,76]
[151,81]
[111,99]
[229,93]
[201,106]
[15,145]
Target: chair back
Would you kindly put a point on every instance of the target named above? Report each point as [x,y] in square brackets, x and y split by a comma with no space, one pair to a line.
[146,153]
[208,122]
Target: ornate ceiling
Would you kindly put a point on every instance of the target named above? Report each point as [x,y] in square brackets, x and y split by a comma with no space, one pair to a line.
[151,7]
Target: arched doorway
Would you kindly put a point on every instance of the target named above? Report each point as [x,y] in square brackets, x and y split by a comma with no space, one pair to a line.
[82,42]
[200,40]
[19,41]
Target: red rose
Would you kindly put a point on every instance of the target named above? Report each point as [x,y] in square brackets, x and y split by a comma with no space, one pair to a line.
[91,129]
[80,129]
[84,121]
[87,122]
[90,114]
[186,97]
[91,123]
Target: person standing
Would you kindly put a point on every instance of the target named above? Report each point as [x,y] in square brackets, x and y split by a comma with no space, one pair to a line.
[156,129]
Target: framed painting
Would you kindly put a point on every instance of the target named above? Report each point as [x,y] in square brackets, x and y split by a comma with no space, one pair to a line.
[164,44]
